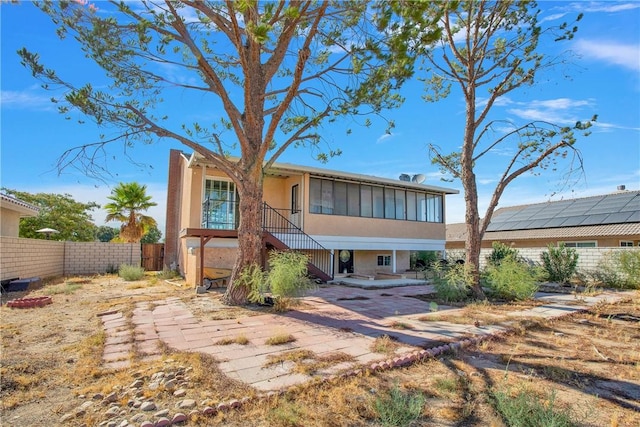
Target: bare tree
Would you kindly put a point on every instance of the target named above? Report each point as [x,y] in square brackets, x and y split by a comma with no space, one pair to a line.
[278,70]
[490,49]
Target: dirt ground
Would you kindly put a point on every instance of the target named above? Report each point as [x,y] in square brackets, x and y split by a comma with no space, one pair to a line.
[587,365]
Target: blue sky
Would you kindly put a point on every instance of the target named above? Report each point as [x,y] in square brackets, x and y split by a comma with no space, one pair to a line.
[605,80]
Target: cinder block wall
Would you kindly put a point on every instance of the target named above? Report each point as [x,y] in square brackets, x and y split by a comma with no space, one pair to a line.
[588,258]
[47,258]
[30,258]
[99,257]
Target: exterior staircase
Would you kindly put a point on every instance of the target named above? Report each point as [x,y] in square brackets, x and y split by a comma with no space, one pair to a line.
[280,233]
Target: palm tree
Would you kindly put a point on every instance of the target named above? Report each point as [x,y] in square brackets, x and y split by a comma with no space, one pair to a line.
[127,203]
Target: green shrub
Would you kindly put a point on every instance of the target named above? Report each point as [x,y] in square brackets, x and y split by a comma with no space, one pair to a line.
[525,409]
[399,408]
[287,276]
[421,260]
[452,283]
[620,269]
[629,264]
[560,263]
[511,279]
[500,252]
[253,278]
[131,272]
[168,274]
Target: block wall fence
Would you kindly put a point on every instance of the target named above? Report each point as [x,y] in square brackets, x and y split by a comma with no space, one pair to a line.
[588,258]
[47,258]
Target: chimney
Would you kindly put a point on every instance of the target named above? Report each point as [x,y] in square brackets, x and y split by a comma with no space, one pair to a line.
[622,187]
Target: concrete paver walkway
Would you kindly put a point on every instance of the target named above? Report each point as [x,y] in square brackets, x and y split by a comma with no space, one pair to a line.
[333,319]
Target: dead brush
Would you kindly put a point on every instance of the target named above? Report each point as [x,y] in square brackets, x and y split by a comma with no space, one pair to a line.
[280,339]
[401,325]
[385,344]
[239,339]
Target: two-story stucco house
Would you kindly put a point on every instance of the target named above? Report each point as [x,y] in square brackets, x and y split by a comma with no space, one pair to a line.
[347,223]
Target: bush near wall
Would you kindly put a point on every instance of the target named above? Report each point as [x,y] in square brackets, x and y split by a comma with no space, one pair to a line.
[588,258]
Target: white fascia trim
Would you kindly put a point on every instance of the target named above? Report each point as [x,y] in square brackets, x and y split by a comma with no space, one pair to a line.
[379,243]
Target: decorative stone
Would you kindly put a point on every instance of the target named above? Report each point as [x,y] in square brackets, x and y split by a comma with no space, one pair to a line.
[137,384]
[138,418]
[86,405]
[162,413]
[98,396]
[194,413]
[234,403]
[111,397]
[171,384]
[162,422]
[147,424]
[178,418]
[66,418]
[187,404]
[112,412]
[223,407]
[209,411]
[148,406]
[124,423]
[180,393]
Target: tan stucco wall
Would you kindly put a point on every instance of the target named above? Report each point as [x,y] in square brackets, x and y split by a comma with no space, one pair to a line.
[9,223]
[366,262]
[337,225]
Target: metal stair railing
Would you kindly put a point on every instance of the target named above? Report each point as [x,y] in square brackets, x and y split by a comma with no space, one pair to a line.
[294,238]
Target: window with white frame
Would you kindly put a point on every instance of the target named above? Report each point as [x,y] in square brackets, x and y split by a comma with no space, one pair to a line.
[384,260]
[219,209]
[626,243]
[584,244]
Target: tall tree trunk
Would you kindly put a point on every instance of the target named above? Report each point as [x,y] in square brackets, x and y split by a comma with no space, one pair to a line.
[473,240]
[249,234]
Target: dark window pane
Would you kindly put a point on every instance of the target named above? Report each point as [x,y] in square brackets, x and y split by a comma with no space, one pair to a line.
[389,203]
[339,198]
[400,201]
[422,207]
[353,200]
[411,206]
[315,195]
[327,196]
[378,202]
[366,205]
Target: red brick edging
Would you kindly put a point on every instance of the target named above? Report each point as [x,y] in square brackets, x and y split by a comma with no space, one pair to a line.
[29,302]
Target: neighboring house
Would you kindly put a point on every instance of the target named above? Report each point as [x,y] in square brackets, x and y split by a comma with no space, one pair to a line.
[610,220]
[347,223]
[11,210]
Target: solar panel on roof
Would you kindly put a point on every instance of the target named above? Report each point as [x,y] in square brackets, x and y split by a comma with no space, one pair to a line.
[537,223]
[617,218]
[574,220]
[613,208]
[594,219]
[555,222]
[635,217]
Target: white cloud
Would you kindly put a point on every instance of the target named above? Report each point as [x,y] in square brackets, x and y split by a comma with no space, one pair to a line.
[608,7]
[384,137]
[25,100]
[611,52]
[560,110]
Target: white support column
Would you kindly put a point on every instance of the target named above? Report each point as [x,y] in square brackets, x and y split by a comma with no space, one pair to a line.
[393,260]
